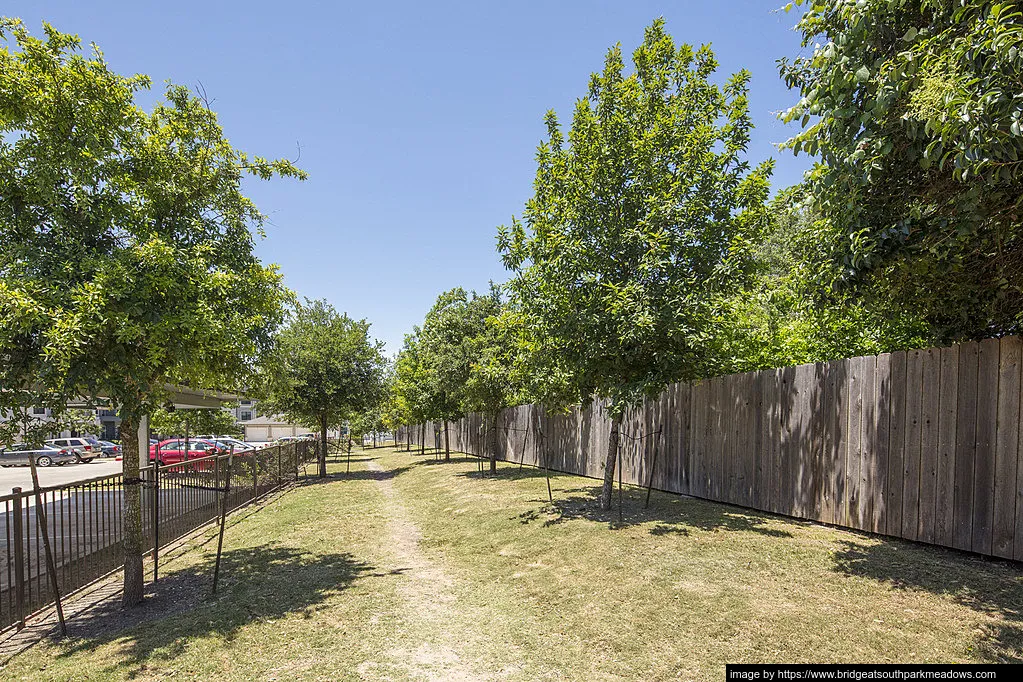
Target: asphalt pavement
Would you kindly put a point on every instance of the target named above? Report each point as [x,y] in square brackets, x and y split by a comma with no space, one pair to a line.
[20,476]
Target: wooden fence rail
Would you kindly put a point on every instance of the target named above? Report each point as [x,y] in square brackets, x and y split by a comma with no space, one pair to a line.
[922,444]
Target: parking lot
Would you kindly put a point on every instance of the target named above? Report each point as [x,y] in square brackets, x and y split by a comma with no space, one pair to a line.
[20,476]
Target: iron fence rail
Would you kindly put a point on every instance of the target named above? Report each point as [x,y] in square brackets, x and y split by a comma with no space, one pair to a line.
[85,524]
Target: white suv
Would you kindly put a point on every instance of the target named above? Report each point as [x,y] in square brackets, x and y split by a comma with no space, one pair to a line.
[83,448]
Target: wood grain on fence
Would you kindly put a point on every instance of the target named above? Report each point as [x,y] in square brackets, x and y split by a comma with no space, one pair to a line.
[922,444]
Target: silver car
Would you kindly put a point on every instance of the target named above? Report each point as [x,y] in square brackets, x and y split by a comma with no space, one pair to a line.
[22,453]
[84,448]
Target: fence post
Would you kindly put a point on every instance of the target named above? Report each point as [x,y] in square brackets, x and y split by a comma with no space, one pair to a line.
[19,559]
[255,475]
[156,515]
[223,517]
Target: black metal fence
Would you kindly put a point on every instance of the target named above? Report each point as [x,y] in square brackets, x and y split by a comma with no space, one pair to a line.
[84,519]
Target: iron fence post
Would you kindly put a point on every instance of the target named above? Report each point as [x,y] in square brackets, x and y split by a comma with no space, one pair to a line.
[156,516]
[19,559]
[223,517]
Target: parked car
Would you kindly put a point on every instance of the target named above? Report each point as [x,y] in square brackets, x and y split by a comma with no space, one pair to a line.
[85,449]
[228,442]
[172,451]
[109,449]
[22,453]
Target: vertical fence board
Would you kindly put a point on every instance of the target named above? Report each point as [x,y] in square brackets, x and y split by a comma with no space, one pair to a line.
[840,444]
[776,425]
[854,449]
[828,418]
[930,392]
[1006,447]
[897,442]
[966,445]
[944,493]
[911,455]
[701,415]
[787,394]
[729,418]
[882,407]
[817,420]
[869,461]
[984,465]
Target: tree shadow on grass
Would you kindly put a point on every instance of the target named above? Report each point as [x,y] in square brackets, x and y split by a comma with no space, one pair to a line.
[357,475]
[509,472]
[455,459]
[987,586]
[342,459]
[258,583]
[669,514]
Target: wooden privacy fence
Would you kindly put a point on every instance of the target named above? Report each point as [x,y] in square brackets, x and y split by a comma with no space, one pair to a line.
[922,444]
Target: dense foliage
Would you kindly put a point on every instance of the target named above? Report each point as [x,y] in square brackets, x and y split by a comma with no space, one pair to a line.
[914,108]
[126,245]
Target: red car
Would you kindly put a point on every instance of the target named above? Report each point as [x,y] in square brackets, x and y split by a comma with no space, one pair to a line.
[173,451]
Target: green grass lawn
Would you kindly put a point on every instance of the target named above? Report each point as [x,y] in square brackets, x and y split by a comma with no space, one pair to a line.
[416,569]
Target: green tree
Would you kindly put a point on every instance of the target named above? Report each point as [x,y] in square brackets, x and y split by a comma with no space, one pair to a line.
[490,382]
[324,368]
[177,422]
[788,313]
[914,110]
[453,344]
[126,245]
[639,219]
[411,389]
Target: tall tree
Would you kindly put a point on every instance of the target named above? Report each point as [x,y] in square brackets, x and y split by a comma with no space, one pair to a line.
[412,386]
[914,110]
[490,382]
[325,367]
[126,244]
[639,217]
[450,345]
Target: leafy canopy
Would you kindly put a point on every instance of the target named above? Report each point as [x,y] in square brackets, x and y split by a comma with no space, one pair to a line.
[914,109]
[126,243]
[639,218]
[325,367]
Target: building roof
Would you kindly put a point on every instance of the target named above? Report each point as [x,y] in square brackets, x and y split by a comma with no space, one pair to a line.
[267,421]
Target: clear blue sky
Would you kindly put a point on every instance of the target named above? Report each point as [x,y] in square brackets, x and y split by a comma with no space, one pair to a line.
[418,121]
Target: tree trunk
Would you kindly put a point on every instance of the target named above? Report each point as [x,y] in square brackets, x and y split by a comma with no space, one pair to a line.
[422,439]
[609,465]
[322,455]
[134,578]
[493,443]
[408,439]
[374,440]
[447,445]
